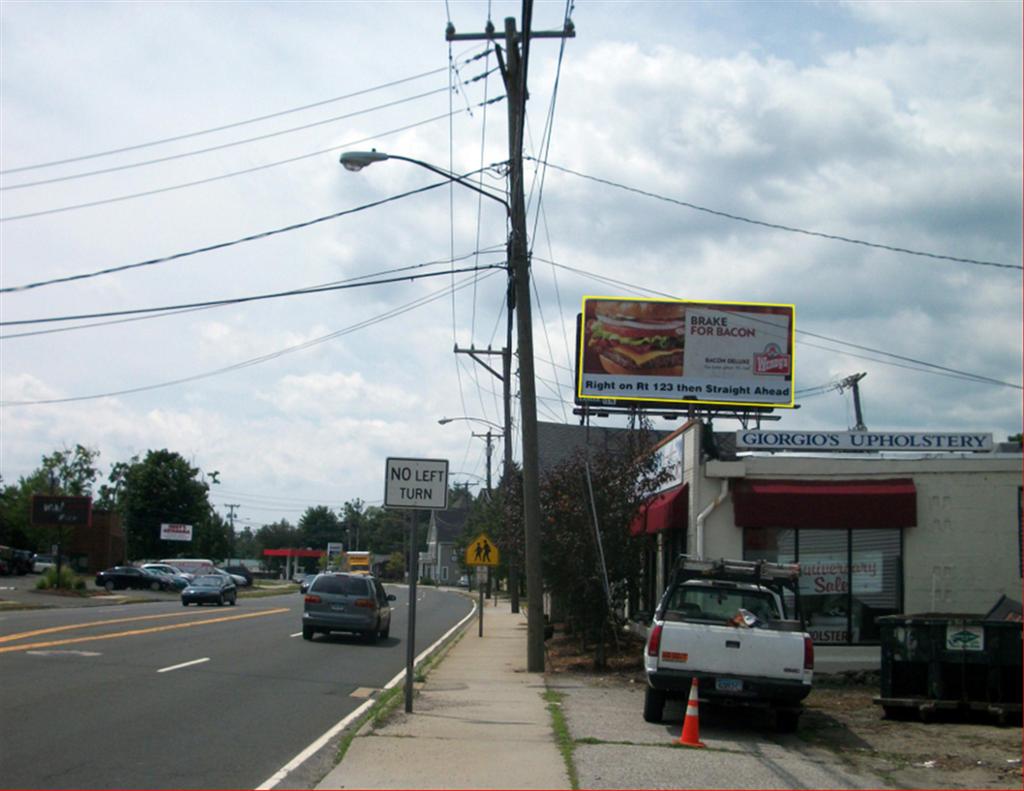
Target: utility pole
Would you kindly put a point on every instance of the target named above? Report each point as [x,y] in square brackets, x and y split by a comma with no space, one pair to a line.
[506,393]
[514,73]
[853,382]
[490,450]
[231,522]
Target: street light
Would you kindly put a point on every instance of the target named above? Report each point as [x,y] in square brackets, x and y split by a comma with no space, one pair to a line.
[445,420]
[519,288]
[357,160]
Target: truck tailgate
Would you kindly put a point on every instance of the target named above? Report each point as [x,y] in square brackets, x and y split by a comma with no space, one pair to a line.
[732,651]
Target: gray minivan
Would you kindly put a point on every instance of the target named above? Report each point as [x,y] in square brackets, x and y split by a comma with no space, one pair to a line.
[341,602]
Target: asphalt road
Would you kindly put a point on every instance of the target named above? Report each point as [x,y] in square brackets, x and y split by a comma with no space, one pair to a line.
[159,696]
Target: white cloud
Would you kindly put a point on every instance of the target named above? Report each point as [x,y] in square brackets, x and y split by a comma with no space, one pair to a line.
[896,123]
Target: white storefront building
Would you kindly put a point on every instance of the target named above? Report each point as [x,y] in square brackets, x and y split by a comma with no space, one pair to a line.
[880,522]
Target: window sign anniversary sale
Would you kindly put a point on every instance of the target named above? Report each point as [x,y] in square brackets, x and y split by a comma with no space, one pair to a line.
[679,351]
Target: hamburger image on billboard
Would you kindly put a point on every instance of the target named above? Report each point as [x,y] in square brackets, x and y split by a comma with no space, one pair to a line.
[636,337]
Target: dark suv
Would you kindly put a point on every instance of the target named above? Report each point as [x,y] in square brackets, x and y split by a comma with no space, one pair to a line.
[241,571]
[347,603]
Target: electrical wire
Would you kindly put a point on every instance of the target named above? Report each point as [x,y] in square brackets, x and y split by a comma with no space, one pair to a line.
[224,127]
[241,300]
[938,369]
[223,245]
[778,227]
[146,317]
[232,174]
[393,313]
[220,146]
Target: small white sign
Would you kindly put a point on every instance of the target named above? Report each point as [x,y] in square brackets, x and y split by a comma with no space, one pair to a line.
[416,483]
[334,548]
[176,532]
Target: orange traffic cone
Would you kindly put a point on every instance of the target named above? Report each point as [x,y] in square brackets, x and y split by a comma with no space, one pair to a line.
[691,724]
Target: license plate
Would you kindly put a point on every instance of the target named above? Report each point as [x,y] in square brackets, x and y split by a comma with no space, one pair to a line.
[728,685]
[338,607]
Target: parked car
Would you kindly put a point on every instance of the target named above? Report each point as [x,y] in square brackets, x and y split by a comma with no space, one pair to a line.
[121,577]
[167,568]
[41,563]
[210,589]
[174,581]
[345,602]
[241,571]
[464,581]
[238,579]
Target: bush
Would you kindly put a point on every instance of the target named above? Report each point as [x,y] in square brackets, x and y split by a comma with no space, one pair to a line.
[68,580]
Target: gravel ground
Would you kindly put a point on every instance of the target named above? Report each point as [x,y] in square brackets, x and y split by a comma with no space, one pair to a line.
[843,741]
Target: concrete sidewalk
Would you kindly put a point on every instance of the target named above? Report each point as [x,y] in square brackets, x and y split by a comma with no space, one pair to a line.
[480,721]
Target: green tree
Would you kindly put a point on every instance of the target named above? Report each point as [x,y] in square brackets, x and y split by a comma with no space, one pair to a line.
[612,483]
[211,538]
[318,526]
[245,544]
[163,487]
[71,471]
[386,531]
[354,524]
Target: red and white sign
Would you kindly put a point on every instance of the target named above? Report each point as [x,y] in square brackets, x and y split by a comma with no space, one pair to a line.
[171,532]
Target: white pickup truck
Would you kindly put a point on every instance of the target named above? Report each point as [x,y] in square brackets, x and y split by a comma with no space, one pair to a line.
[725,623]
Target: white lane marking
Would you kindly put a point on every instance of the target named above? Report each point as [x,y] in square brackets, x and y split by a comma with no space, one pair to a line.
[183,664]
[310,751]
[297,634]
[63,653]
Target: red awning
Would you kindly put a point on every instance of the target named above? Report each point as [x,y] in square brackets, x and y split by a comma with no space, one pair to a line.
[822,504]
[664,511]
[294,553]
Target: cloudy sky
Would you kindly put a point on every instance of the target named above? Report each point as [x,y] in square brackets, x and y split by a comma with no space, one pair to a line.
[135,132]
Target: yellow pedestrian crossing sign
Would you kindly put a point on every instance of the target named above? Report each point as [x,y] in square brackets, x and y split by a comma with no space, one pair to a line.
[482,552]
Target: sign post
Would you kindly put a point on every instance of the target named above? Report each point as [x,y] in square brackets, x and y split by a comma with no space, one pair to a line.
[482,553]
[58,511]
[414,485]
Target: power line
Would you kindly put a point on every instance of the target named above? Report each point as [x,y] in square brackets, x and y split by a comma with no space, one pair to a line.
[220,146]
[394,312]
[175,311]
[641,290]
[234,125]
[241,300]
[779,227]
[222,245]
[232,174]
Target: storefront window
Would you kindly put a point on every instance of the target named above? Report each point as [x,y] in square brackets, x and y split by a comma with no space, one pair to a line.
[848,578]
[877,580]
[825,585]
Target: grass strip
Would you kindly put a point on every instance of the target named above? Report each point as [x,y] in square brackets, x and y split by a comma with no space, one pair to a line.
[564,740]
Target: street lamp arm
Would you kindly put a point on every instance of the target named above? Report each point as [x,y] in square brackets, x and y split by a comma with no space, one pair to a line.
[445,420]
[357,160]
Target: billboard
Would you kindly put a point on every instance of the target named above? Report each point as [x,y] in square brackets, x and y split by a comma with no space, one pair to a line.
[678,351]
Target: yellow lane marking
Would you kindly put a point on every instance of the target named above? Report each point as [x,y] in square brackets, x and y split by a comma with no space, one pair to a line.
[150,630]
[50,630]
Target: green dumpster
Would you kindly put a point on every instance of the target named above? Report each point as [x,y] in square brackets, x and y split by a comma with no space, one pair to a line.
[933,662]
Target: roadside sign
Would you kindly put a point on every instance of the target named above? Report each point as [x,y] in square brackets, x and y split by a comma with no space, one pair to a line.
[170,532]
[416,484]
[482,552]
[61,510]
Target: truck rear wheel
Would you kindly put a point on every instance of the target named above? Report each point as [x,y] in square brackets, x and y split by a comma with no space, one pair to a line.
[654,704]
